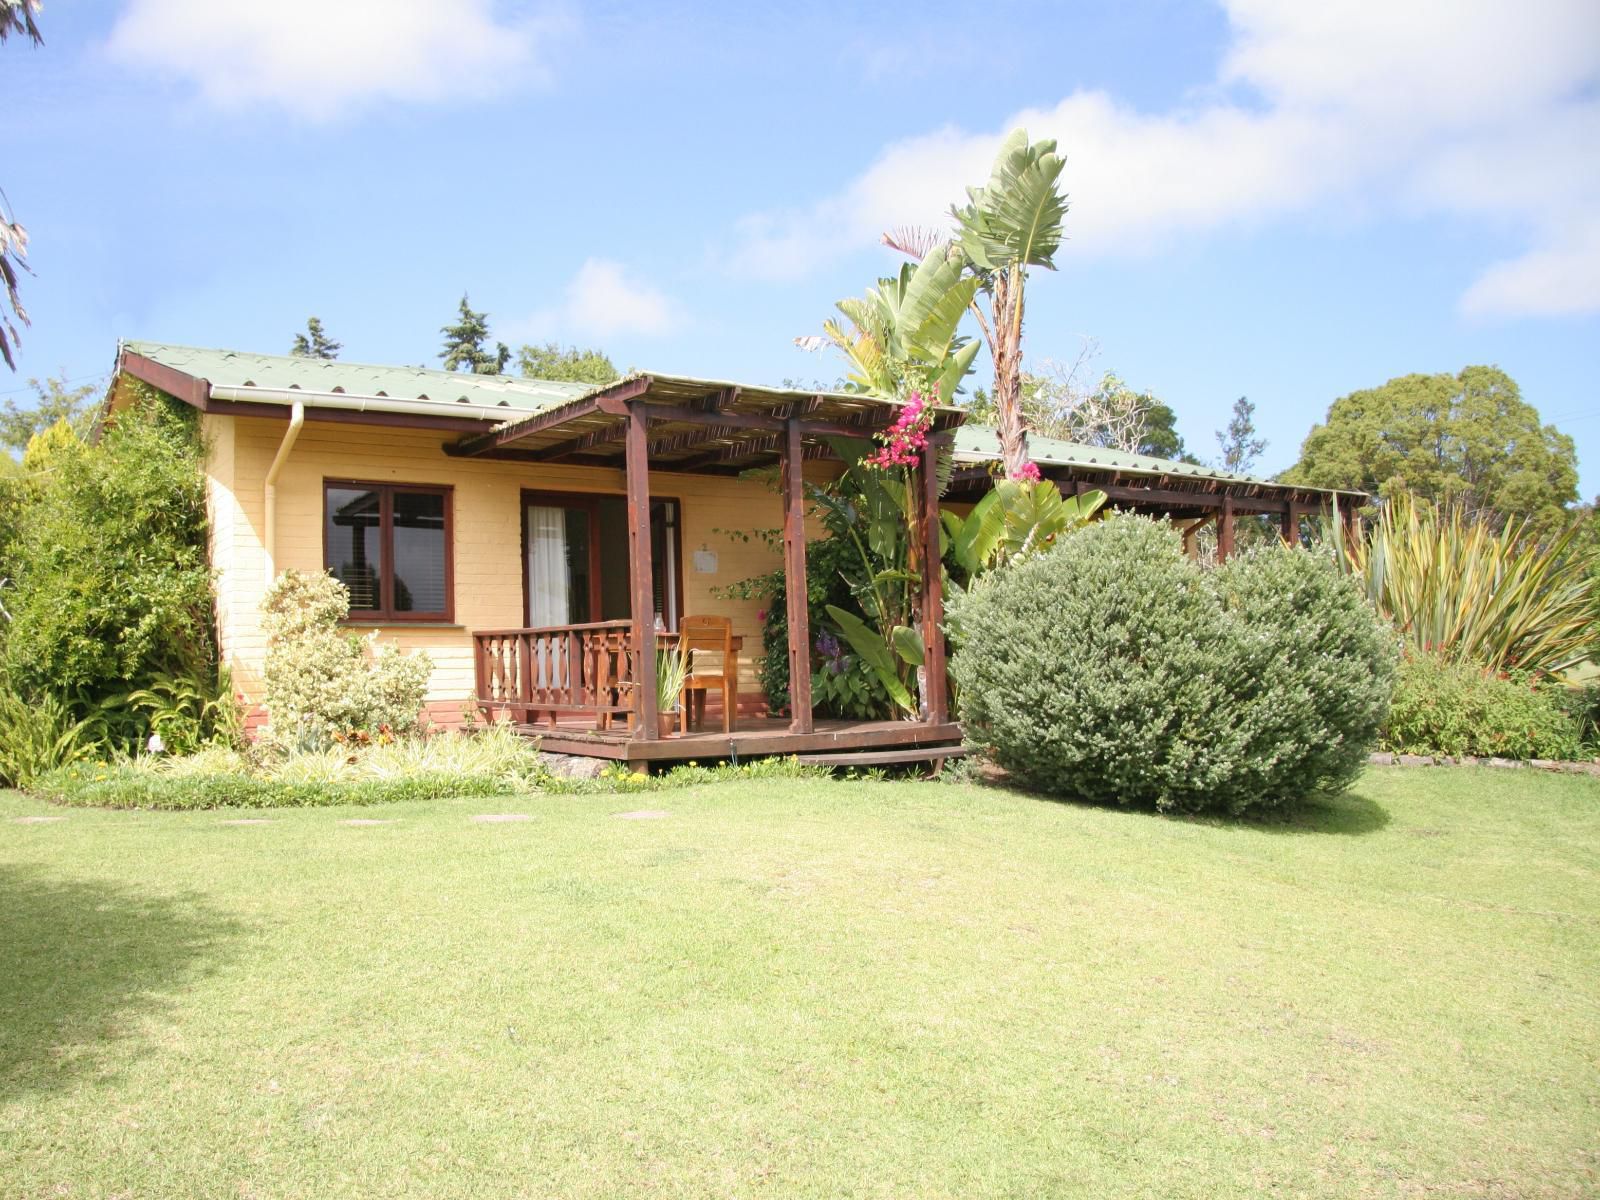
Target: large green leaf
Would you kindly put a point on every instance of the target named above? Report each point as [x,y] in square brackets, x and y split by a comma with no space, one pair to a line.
[908,644]
[980,534]
[874,652]
[1016,218]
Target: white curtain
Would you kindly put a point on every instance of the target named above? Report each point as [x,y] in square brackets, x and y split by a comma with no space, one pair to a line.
[549,583]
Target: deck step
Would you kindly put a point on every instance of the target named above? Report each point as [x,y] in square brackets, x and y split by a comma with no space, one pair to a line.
[881,758]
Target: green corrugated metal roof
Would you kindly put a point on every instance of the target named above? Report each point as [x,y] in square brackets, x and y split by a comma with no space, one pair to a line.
[235,368]
[979,443]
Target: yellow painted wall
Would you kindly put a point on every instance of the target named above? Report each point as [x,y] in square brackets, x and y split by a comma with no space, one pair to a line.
[487,528]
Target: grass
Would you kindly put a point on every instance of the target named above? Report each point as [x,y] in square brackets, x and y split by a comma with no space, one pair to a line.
[802,988]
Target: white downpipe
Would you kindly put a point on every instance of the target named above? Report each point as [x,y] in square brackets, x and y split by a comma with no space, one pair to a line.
[297,418]
[350,403]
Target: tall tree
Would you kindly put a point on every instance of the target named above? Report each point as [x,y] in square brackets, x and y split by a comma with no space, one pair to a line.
[1161,436]
[16,17]
[53,401]
[1240,445]
[1468,441]
[465,344]
[566,364]
[1007,226]
[315,342]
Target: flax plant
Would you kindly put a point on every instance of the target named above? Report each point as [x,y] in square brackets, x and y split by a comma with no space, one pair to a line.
[1507,599]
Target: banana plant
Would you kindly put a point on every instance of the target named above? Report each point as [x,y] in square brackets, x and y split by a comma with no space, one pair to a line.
[1010,224]
[873,513]
[1013,522]
[904,335]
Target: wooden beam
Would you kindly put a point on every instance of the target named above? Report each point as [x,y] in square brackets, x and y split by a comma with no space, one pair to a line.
[613,401]
[191,389]
[936,685]
[641,580]
[1291,523]
[795,591]
[1225,530]
[769,422]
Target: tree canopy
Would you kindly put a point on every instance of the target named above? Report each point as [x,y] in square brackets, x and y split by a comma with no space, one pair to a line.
[465,344]
[1111,414]
[566,364]
[53,402]
[1239,443]
[1468,441]
[315,342]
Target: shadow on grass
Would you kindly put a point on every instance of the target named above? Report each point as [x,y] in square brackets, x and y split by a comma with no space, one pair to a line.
[81,962]
[1350,813]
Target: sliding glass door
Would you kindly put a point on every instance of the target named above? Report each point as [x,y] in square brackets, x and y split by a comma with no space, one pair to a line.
[575,559]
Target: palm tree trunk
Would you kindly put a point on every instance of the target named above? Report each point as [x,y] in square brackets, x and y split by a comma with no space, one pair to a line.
[1005,347]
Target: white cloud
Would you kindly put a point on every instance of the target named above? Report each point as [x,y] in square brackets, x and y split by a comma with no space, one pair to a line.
[1422,108]
[319,60]
[603,300]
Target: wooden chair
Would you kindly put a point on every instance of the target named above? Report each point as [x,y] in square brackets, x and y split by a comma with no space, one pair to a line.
[699,638]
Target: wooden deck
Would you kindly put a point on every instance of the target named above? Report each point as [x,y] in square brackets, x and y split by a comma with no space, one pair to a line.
[754,737]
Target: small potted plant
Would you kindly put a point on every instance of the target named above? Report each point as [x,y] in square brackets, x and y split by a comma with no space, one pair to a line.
[672,668]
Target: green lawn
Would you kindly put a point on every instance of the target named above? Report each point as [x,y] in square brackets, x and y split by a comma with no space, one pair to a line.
[796,988]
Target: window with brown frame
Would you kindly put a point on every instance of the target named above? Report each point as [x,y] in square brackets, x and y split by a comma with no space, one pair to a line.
[391,545]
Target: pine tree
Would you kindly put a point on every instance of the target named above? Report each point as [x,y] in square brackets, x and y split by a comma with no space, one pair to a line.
[315,342]
[465,344]
[1240,445]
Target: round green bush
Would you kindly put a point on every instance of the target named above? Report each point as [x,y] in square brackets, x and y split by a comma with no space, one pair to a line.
[1114,669]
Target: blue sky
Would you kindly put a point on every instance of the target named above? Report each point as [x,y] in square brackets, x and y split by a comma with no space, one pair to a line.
[1269,198]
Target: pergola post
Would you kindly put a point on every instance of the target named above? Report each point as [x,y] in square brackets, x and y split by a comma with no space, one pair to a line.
[641,587]
[797,604]
[1291,523]
[1225,530]
[935,684]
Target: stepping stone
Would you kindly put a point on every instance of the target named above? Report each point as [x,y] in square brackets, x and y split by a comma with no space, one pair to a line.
[497,818]
[644,814]
[35,820]
[248,821]
[365,821]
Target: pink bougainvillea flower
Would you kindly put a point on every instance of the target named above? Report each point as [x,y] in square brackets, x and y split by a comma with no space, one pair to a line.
[1028,472]
[908,436]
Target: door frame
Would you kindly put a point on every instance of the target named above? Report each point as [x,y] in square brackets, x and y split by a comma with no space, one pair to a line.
[590,503]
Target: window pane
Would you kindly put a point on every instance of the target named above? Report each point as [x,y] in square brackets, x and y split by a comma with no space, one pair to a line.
[355,544]
[578,565]
[419,552]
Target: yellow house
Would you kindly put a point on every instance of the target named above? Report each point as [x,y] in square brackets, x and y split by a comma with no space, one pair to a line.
[530,536]
[543,541]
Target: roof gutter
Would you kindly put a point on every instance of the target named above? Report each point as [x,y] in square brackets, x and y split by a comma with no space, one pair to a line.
[346,402]
[297,419]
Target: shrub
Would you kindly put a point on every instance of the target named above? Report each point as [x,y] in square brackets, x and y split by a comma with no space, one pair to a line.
[1113,669]
[1512,599]
[1453,708]
[129,786]
[1315,669]
[496,762]
[110,586]
[320,681]
[37,737]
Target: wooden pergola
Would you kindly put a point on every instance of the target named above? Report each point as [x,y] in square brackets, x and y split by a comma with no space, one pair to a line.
[1185,494]
[656,423]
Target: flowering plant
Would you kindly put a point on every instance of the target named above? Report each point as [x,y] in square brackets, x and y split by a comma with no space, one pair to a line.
[903,440]
[1028,472]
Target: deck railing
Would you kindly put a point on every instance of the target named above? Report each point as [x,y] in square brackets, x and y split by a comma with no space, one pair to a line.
[580,672]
